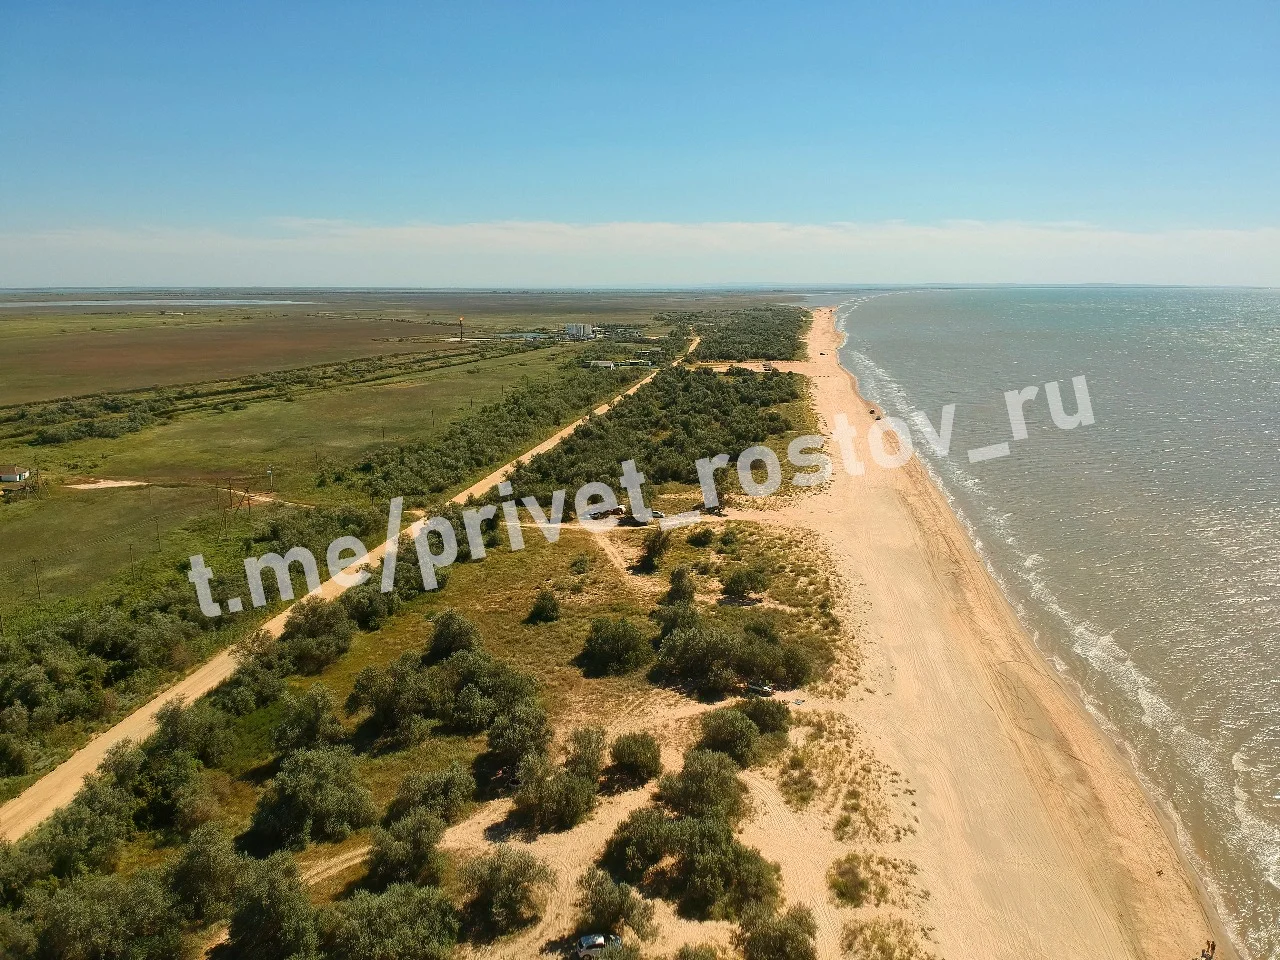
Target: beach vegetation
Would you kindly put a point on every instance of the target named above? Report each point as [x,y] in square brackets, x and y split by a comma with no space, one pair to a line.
[505,889]
[636,758]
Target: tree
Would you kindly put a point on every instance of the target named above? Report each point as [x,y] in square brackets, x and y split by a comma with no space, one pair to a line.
[446,793]
[744,583]
[203,878]
[550,798]
[506,889]
[368,606]
[639,843]
[707,786]
[614,647]
[682,588]
[272,917]
[729,730]
[404,922]
[310,720]
[406,851]
[316,633]
[515,735]
[654,547]
[714,874]
[546,608]
[605,906]
[314,796]
[451,632]
[769,716]
[586,753]
[702,657]
[636,757]
[765,935]
[200,730]
[108,916]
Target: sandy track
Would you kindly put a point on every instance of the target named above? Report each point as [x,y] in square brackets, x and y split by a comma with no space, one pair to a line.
[56,788]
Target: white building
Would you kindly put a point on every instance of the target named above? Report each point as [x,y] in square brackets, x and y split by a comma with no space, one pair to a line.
[12,473]
[583,330]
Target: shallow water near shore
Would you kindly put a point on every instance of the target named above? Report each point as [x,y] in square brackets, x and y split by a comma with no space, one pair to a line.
[1142,551]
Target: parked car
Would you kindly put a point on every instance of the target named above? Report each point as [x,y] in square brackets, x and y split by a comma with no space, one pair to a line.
[594,944]
[760,689]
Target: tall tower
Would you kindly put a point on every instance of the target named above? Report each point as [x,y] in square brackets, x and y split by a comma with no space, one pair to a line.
[460,329]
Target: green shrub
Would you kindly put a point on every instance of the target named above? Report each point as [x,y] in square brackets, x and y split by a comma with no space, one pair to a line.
[446,793]
[729,730]
[405,852]
[316,795]
[715,875]
[516,735]
[506,889]
[654,547]
[585,757]
[316,633]
[636,757]
[109,916]
[707,786]
[605,906]
[550,798]
[614,646]
[203,877]
[546,608]
[368,606]
[764,935]
[310,720]
[682,589]
[404,922]
[701,657]
[452,632]
[272,917]
[701,951]
[769,716]
[639,843]
[701,536]
[744,583]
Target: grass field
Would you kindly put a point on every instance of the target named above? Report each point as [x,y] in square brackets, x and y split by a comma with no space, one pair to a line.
[292,436]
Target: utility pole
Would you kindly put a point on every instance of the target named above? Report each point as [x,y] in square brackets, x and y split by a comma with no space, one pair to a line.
[460,319]
[271,483]
[35,566]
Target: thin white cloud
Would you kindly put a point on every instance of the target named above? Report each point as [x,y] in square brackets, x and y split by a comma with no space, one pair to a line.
[307,252]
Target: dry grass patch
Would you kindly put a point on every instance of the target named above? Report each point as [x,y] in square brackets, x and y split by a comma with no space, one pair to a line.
[886,938]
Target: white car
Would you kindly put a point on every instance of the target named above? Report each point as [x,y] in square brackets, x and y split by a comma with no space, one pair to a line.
[594,944]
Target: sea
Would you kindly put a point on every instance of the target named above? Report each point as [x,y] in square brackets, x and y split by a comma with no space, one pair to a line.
[1137,534]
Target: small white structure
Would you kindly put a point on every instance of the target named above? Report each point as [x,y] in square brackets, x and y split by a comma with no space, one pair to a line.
[12,473]
[582,330]
[601,364]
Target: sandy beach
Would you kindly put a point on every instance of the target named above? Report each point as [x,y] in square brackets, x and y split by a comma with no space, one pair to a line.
[1035,838]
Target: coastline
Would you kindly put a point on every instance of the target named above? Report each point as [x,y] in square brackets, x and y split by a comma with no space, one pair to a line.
[1036,836]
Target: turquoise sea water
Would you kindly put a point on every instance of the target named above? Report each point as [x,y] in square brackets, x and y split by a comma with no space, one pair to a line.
[1143,550]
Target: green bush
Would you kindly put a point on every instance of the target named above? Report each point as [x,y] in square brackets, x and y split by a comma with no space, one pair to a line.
[546,608]
[585,757]
[506,889]
[639,843]
[368,606]
[446,793]
[406,851]
[636,757]
[715,875]
[550,798]
[682,589]
[769,716]
[654,547]
[743,583]
[701,536]
[516,735]
[316,633]
[404,922]
[452,632]
[316,795]
[701,951]
[764,935]
[605,906]
[614,646]
[702,657]
[707,786]
[132,917]
[310,720]
[272,917]
[203,877]
[729,730]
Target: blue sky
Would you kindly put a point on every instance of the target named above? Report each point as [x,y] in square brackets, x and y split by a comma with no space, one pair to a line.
[237,118]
